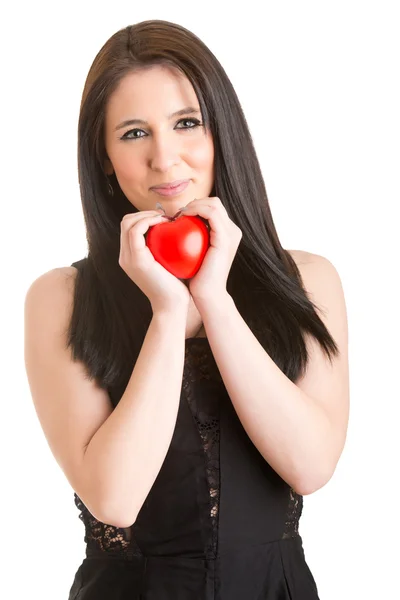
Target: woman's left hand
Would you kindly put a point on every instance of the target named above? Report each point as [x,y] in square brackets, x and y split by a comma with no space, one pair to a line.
[210,280]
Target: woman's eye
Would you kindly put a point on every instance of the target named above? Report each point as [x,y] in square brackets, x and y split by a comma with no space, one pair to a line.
[194,121]
[127,136]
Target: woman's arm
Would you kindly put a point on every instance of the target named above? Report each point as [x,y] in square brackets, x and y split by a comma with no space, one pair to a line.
[300,435]
[125,455]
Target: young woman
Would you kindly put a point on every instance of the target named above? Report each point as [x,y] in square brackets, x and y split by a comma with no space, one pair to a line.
[190,416]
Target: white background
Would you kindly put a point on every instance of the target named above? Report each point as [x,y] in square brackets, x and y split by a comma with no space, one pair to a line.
[318,82]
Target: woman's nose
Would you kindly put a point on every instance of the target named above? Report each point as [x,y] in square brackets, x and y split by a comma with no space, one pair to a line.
[164,155]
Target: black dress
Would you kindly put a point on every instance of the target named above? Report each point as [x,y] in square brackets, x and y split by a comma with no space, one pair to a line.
[218,523]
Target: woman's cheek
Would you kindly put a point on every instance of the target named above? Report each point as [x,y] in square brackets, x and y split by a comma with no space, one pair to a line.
[201,155]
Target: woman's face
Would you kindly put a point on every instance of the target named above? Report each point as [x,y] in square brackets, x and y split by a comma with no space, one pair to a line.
[164,149]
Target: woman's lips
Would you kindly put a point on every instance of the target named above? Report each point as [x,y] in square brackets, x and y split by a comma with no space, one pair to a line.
[171,191]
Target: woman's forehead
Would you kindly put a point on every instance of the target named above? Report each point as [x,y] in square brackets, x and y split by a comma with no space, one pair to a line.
[151,94]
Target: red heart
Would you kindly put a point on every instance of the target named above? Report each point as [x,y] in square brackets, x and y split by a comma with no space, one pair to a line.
[179,245]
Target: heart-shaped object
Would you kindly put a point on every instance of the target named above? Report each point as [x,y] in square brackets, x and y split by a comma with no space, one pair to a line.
[179,245]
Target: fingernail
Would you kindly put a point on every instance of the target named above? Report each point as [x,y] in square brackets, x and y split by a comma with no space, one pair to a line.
[159,208]
[183,208]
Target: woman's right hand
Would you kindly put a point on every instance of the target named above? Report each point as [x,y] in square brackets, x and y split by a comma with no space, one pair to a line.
[164,291]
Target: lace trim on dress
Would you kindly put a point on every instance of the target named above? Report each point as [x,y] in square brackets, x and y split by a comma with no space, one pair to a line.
[202,368]
[293,515]
[101,537]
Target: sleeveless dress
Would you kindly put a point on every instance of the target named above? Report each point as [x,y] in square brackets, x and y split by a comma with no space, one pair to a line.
[218,523]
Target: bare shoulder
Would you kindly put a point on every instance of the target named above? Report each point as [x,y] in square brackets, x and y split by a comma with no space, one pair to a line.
[49,299]
[323,285]
[65,273]
[302,257]
[314,268]
[54,277]
[58,273]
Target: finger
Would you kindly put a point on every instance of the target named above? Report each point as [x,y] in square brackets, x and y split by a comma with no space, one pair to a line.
[132,219]
[137,231]
[131,240]
[140,215]
[207,201]
[207,211]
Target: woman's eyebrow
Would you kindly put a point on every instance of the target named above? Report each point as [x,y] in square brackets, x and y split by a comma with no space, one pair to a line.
[189,110]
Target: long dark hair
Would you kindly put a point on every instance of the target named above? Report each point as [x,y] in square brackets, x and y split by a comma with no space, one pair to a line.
[110,314]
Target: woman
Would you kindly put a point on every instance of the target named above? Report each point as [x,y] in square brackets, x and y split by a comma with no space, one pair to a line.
[189,416]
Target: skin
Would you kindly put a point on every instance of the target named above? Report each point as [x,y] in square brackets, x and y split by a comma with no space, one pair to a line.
[164,150]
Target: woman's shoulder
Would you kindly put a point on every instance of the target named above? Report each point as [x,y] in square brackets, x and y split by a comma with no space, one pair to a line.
[302,257]
[71,270]
[57,280]
[310,264]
